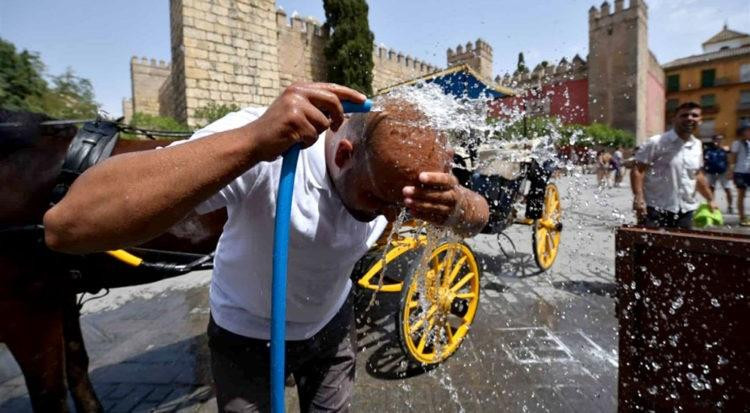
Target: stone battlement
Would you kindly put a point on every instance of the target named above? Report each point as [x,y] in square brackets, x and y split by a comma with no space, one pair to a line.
[545,74]
[472,48]
[300,24]
[136,61]
[478,55]
[604,16]
[381,54]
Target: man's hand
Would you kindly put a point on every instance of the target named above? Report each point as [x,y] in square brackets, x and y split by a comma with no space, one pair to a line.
[299,115]
[441,200]
[437,199]
[713,205]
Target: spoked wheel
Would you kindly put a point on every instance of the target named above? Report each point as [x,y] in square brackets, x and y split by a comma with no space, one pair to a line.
[547,229]
[438,305]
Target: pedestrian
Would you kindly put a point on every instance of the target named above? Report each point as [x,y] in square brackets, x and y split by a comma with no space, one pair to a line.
[617,164]
[668,172]
[740,158]
[603,169]
[716,166]
[354,174]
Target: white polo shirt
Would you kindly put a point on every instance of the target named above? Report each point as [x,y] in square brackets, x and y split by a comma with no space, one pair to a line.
[325,242]
[674,164]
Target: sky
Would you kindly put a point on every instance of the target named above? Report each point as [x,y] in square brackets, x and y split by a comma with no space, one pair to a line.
[98,38]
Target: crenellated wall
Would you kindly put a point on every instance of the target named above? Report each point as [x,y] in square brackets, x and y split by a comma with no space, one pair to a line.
[244,52]
[147,77]
[477,55]
[544,74]
[226,52]
[618,66]
[300,49]
[392,67]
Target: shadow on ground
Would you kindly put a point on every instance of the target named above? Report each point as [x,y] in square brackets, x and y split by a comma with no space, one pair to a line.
[510,264]
[172,377]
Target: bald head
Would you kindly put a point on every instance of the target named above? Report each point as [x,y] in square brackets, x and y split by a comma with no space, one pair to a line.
[390,147]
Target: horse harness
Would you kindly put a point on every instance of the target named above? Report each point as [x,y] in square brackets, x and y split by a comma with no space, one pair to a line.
[93,143]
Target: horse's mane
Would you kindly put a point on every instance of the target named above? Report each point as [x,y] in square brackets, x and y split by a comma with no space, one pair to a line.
[19,129]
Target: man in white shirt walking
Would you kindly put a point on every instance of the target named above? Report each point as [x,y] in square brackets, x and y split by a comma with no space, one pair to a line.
[353,174]
[668,172]
[740,157]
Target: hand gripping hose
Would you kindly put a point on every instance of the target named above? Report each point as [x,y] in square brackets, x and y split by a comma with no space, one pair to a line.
[280,249]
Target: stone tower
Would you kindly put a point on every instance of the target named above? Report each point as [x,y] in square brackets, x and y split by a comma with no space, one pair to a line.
[478,56]
[618,66]
[224,52]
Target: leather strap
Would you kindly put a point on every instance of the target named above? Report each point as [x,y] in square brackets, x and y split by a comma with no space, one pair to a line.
[93,143]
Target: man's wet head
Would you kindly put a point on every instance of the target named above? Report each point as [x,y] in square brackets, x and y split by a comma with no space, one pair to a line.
[374,156]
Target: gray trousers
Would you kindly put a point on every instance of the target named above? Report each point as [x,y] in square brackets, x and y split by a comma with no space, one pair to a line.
[322,366]
[660,218]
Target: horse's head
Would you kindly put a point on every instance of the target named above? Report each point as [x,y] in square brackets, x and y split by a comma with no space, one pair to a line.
[31,154]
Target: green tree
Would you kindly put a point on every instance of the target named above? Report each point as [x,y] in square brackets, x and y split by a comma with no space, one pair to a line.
[521,65]
[21,83]
[70,97]
[23,87]
[349,48]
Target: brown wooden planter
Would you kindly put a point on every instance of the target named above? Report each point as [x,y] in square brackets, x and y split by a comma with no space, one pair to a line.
[684,316]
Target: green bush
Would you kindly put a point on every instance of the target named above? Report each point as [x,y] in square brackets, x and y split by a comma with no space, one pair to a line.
[153,122]
[596,134]
[213,112]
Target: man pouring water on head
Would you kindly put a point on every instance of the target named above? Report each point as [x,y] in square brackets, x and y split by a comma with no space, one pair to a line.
[354,175]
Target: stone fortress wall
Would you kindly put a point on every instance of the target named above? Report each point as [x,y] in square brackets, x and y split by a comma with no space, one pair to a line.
[147,77]
[242,52]
[621,69]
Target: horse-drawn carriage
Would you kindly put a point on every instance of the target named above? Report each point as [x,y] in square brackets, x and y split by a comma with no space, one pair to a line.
[440,291]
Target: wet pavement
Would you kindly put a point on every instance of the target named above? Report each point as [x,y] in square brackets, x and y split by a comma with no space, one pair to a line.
[540,342]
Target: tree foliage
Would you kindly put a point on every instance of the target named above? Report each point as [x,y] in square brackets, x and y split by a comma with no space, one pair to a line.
[596,134]
[21,83]
[349,48]
[521,64]
[23,87]
[213,112]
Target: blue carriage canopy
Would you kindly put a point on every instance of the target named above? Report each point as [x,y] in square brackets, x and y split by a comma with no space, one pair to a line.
[459,81]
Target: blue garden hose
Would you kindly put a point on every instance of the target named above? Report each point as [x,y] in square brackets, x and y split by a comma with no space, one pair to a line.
[280,249]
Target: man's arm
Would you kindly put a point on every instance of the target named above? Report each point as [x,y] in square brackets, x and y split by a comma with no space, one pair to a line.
[636,184]
[702,186]
[134,197]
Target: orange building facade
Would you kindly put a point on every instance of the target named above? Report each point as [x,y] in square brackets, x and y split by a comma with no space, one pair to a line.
[718,80]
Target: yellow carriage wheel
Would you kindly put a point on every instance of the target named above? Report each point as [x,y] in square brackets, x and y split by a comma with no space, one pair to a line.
[547,229]
[439,305]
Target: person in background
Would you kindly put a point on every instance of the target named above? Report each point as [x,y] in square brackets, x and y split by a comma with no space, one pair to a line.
[603,168]
[715,166]
[617,160]
[740,158]
[668,172]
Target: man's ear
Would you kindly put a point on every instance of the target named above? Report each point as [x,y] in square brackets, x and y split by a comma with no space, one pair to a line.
[344,153]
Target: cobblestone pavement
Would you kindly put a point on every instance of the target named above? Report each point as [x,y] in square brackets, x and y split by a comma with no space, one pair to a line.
[540,342]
